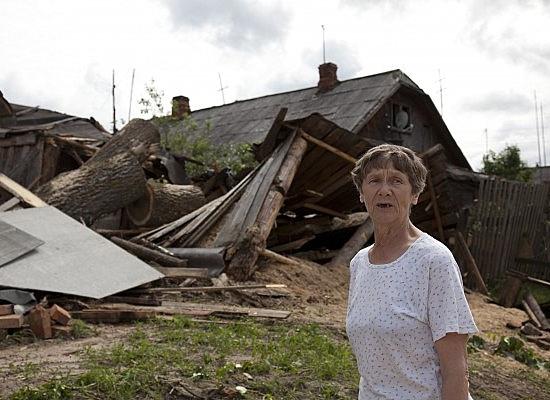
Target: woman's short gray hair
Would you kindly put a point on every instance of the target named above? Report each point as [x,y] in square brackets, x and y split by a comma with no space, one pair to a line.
[401,158]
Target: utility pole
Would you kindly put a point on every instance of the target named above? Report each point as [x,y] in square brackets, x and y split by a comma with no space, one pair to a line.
[486,141]
[131,93]
[222,88]
[324,55]
[114,109]
[542,134]
[537,124]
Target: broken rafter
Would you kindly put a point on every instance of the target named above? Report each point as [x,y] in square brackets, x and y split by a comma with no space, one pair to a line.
[330,148]
[205,288]
[20,192]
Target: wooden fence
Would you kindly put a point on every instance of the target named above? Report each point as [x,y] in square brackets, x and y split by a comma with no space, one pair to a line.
[506,213]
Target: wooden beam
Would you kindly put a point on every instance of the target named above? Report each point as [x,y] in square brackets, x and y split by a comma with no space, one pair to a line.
[535,308]
[330,148]
[471,263]
[531,314]
[20,192]
[325,210]
[277,257]
[436,208]
[354,244]
[183,272]
[9,204]
[293,245]
[180,289]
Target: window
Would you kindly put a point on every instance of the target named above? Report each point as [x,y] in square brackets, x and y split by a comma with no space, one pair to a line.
[401,118]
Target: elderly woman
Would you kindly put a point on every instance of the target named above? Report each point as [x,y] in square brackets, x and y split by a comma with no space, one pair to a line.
[408,320]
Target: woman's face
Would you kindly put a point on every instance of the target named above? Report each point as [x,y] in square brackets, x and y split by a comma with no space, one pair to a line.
[387,195]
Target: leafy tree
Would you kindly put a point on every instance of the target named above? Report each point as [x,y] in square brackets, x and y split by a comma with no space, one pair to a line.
[152,102]
[506,164]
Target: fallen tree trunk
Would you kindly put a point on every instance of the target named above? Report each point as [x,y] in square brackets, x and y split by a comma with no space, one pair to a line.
[110,180]
[96,189]
[135,133]
[164,203]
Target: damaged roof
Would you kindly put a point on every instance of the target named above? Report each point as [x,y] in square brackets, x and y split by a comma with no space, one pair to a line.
[27,119]
[248,121]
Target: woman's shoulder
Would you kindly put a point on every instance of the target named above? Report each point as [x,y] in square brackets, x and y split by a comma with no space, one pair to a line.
[361,256]
[434,251]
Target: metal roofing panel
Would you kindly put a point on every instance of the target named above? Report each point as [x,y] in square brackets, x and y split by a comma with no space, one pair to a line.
[14,243]
[73,260]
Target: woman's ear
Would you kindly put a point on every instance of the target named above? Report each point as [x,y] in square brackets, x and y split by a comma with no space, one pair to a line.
[415,199]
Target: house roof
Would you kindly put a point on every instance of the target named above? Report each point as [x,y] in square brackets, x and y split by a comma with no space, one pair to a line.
[27,119]
[350,105]
[248,121]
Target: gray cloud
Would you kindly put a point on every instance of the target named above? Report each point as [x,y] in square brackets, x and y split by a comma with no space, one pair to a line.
[337,52]
[507,43]
[394,6]
[501,102]
[238,24]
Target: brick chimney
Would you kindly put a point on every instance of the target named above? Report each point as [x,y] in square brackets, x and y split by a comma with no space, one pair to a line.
[180,107]
[327,77]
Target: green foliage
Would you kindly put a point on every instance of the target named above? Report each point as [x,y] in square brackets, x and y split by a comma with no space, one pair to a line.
[476,343]
[152,103]
[236,157]
[514,347]
[506,164]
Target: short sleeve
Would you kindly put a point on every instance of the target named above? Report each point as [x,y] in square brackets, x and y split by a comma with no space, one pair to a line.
[448,309]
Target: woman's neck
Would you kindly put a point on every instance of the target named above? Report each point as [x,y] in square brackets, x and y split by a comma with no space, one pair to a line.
[396,235]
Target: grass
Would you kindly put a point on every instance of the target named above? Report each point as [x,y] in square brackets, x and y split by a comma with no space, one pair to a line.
[182,359]
[163,357]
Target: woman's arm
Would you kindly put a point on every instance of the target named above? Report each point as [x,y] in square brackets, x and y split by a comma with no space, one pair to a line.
[451,350]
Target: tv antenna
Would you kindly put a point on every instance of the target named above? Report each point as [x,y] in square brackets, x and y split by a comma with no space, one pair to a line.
[114,109]
[324,55]
[486,141]
[537,124]
[222,88]
[542,134]
[131,93]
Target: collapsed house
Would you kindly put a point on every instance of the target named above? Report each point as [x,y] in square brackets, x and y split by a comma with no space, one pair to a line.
[37,144]
[299,202]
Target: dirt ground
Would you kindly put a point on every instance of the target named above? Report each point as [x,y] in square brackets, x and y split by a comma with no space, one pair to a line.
[314,293]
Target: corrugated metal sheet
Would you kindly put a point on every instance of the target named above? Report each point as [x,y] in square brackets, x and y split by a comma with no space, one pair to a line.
[344,105]
[73,260]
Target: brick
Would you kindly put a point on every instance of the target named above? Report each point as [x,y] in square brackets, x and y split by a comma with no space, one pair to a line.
[59,315]
[39,320]
[11,321]
[6,309]
[60,330]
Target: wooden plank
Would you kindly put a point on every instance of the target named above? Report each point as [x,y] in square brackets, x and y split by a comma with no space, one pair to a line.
[531,314]
[114,316]
[20,192]
[9,204]
[19,140]
[293,245]
[183,272]
[330,148]
[219,309]
[357,241]
[436,208]
[205,288]
[538,313]
[143,301]
[471,264]
[324,210]
[279,258]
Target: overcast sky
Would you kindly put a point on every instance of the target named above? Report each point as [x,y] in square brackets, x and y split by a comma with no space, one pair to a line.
[492,55]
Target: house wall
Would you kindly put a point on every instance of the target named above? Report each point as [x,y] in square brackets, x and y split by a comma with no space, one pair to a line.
[420,137]
[21,162]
